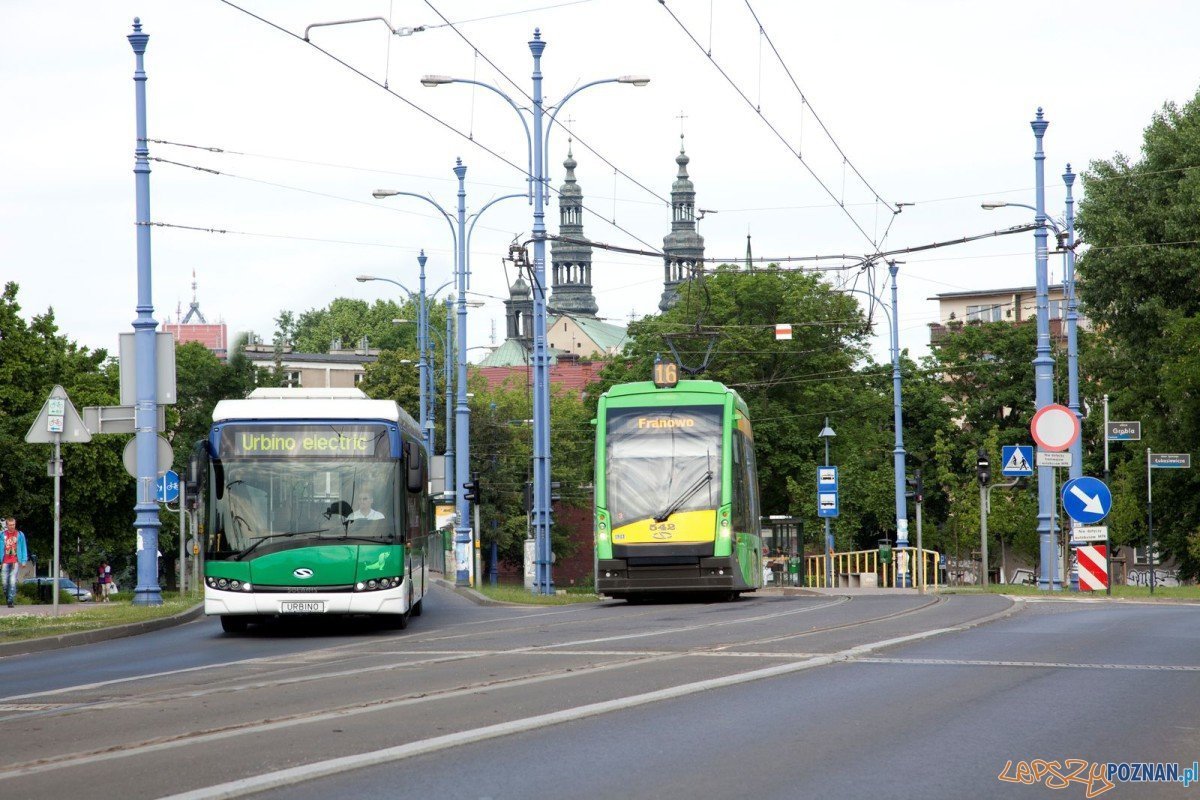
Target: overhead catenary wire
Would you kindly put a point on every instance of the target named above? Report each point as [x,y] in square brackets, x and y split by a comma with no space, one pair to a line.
[775,130]
[419,109]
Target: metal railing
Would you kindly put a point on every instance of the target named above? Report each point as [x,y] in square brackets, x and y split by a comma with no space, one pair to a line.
[865,568]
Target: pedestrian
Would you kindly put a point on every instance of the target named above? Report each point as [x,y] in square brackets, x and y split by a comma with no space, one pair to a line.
[15,555]
[104,578]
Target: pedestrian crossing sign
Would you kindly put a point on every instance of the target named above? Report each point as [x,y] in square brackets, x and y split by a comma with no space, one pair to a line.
[1017,460]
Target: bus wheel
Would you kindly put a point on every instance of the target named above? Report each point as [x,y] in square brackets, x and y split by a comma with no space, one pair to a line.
[232,624]
[416,609]
[398,621]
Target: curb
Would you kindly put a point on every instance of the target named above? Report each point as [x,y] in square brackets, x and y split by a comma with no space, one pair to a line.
[99,635]
[472,595]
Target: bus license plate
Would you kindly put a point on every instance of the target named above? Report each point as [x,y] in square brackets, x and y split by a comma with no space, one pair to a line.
[292,607]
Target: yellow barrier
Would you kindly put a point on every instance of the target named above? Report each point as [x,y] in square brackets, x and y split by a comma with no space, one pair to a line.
[863,568]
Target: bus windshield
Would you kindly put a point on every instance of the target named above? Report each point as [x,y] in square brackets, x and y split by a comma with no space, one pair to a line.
[262,505]
[660,461]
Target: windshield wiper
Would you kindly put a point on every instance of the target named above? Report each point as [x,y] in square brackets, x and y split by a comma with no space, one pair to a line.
[243,553]
[683,498]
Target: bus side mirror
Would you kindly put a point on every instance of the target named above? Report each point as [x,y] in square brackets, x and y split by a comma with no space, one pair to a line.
[414,467]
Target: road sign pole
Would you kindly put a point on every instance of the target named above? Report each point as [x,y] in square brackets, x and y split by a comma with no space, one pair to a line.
[983,553]
[182,559]
[1150,519]
[57,518]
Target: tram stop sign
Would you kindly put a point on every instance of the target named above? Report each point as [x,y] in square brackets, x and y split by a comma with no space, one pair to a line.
[1054,427]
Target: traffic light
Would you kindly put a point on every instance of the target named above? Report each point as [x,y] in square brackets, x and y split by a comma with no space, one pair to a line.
[983,468]
[918,491]
[471,488]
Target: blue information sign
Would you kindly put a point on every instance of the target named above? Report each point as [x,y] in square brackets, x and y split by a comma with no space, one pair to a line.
[827,492]
[168,487]
[1016,460]
[1086,500]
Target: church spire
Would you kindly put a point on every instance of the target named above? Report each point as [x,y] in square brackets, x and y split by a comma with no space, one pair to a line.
[571,261]
[683,247]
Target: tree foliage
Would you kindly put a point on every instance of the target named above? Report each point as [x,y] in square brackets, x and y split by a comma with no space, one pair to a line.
[1140,285]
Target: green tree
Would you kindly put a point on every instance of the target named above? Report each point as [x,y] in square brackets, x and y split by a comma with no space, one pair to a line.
[97,495]
[348,321]
[1140,286]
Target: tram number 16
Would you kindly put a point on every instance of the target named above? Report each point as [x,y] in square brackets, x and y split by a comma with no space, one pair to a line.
[666,375]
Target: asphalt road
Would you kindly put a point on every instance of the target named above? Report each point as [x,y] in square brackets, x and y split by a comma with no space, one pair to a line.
[887,696]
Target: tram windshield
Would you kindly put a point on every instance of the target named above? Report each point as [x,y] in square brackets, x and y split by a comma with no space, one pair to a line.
[661,461]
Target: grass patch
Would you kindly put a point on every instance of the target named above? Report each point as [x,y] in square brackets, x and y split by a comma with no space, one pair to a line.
[90,617]
[516,593]
[1124,592]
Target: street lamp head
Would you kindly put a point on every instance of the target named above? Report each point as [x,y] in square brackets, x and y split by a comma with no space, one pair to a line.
[826,432]
[991,205]
[636,80]
[435,80]
[364,278]
[379,194]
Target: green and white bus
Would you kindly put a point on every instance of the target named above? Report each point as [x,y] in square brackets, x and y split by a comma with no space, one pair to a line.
[317,504]
[677,506]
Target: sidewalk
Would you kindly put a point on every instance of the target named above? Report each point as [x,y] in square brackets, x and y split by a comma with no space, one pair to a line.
[43,610]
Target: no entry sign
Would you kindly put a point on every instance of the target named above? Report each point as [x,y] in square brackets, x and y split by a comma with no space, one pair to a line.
[1055,427]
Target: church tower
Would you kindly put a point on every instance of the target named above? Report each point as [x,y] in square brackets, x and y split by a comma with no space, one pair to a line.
[518,308]
[683,247]
[571,262]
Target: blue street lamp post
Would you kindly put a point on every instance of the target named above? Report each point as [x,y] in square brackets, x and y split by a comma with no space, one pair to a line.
[898,453]
[1043,362]
[147,592]
[537,140]
[458,462]
[424,346]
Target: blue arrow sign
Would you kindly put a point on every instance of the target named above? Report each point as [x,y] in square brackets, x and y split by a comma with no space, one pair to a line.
[1016,459]
[1086,500]
[168,487]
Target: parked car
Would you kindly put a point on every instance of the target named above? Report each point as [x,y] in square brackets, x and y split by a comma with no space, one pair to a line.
[64,585]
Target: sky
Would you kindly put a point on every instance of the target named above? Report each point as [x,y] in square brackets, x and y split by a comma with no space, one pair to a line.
[806,124]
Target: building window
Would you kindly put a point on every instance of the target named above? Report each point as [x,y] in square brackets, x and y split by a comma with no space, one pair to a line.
[1056,309]
[292,378]
[359,377]
[1139,556]
[989,313]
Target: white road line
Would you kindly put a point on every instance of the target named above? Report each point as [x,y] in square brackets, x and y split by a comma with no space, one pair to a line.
[956,662]
[319,769]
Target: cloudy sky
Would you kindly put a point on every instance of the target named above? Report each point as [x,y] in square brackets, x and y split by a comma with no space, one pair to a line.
[830,115]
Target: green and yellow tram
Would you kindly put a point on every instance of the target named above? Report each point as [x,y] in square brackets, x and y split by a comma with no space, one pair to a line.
[677,505]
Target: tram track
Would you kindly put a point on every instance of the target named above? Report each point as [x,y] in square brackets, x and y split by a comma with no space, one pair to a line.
[624,659]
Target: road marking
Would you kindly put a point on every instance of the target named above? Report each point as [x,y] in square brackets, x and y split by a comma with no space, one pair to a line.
[334,766]
[955,662]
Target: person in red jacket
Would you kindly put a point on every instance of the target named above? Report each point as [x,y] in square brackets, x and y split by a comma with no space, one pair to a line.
[15,554]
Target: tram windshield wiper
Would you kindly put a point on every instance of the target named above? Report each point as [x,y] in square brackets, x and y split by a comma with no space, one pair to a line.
[683,498]
[247,551]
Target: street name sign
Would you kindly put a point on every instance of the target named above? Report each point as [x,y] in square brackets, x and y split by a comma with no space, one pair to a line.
[1124,431]
[1086,499]
[1171,460]
[1054,427]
